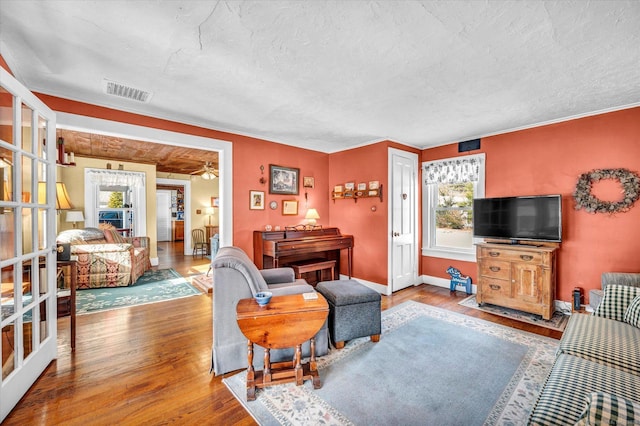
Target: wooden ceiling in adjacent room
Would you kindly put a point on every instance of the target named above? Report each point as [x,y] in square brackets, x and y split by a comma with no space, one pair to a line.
[167,158]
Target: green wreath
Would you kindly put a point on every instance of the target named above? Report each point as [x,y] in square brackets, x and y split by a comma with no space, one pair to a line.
[629,180]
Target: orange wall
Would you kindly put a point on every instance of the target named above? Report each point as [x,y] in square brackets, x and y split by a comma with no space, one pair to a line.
[248,155]
[369,228]
[549,160]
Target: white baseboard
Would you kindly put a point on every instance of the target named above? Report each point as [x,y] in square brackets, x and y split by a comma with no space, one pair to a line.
[560,305]
[443,282]
[382,289]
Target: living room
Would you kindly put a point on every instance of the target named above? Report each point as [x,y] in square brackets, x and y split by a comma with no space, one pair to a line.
[544,158]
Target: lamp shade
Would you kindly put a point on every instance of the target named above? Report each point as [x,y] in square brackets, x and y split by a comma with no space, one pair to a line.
[209,210]
[75,216]
[311,216]
[62,196]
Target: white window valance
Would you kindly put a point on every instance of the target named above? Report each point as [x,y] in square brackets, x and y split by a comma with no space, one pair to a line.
[116,178]
[453,170]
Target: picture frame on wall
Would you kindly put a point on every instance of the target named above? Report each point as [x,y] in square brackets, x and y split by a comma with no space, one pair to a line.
[289,207]
[256,200]
[349,186]
[284,180]
[215,202]
[362,186]
[308,182]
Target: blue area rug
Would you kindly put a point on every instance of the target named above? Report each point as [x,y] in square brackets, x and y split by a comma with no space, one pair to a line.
[154,286]
[431,367]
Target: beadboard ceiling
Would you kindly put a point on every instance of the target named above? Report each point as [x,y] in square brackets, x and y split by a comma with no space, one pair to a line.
[331,75]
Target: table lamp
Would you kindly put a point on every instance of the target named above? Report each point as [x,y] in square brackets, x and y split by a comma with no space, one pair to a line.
[75,216]
[209,211]
[311,216]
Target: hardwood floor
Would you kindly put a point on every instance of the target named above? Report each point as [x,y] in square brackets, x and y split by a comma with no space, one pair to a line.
[150,364]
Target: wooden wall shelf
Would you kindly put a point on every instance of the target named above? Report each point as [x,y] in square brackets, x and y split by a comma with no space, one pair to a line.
[354,195]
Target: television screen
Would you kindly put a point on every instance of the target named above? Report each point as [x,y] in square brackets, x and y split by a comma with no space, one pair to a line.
[537,218]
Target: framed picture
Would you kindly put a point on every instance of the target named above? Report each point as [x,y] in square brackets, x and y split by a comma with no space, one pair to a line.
[308,182]
[215,202]
[289,207]
[349,186]
[362,186]
[256,200]
[374,184]
[337,188]
[284,180]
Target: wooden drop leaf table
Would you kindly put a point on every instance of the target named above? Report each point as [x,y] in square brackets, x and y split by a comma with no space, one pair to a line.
[285,322]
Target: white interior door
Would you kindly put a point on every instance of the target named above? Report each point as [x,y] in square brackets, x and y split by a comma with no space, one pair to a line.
[27,240]
[163,212]
[403,259]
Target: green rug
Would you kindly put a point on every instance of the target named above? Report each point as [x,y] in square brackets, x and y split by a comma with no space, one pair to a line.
[154,286]
[430,367]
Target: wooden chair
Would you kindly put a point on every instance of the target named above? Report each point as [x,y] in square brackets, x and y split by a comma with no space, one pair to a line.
[199,242]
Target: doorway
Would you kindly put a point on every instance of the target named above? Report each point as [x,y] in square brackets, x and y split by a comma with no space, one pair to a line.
[403,214]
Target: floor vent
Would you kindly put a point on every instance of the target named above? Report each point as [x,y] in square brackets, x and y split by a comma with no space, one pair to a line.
[124,91]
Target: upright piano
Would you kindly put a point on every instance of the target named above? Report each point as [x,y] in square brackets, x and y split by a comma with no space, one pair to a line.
[272,249]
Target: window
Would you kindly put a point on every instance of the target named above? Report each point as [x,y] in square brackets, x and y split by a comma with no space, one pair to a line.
[116,197]
[449,187]
[114,207]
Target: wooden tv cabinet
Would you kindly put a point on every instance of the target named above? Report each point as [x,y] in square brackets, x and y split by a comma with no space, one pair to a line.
[521,277]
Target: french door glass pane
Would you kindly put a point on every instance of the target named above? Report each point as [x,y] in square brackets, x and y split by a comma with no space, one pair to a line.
[44,333]
[6,116]
[28,336]
[8,349]
[7,235]
[27,116]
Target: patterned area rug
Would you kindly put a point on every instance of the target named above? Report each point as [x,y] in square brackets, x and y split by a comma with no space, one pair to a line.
[154,286]
[431,366]
[557,322]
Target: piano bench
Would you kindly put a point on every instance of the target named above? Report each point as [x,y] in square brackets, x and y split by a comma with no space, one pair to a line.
[354,310]
[314,265]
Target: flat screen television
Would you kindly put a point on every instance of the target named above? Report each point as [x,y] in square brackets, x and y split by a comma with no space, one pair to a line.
[533,218]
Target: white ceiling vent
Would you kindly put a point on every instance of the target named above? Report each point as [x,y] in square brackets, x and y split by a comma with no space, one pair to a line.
[124,91]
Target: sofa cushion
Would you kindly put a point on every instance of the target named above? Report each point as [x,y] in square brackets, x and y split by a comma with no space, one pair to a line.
[607,409]
[113,236]
[632,314]
[616,300]
[81,236]
[602,340]
[572,379]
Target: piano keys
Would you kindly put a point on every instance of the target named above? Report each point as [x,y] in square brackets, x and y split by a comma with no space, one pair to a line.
[273,249]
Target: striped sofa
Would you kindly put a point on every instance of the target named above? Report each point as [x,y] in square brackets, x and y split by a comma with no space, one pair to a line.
[595,378]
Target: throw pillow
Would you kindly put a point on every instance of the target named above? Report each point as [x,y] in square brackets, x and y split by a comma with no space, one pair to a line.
[632,314]
[112,236]
[616,300]
[606,409]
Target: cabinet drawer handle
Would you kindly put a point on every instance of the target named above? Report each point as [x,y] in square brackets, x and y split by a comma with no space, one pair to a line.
[526,257]
[494,253]
[494,268]
[494,287]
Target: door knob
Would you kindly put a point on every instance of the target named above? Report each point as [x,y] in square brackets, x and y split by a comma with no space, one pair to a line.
[396,234]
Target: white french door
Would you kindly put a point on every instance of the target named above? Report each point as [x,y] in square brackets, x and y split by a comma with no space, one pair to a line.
[403,213]
[27,239]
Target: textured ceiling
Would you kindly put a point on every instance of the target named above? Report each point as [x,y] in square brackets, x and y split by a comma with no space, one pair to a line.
[330,75]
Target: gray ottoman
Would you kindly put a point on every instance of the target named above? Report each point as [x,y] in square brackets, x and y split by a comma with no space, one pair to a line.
[354,310]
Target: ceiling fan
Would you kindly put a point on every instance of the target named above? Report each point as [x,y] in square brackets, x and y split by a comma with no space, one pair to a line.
[207,172]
